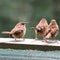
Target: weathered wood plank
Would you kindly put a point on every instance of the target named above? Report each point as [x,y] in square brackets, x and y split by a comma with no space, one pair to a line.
[29,44]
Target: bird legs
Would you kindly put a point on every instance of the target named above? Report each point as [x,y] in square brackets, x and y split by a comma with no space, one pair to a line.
[36,35]
[46,37]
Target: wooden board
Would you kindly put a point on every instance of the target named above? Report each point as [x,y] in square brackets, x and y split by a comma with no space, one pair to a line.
[29,44]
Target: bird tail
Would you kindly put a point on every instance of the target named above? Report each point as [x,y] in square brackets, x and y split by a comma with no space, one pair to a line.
[6,32]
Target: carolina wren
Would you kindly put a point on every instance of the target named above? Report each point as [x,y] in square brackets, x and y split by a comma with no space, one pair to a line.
[18,31]
[40,29]
[53,29]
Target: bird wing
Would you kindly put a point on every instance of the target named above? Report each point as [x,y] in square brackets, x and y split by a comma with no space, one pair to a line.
[53,26]
[42,24]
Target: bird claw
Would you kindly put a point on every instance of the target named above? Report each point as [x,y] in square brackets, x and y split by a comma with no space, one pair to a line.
[44,40]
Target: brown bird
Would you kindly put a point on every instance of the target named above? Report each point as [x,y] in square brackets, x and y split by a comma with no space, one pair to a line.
[40,29]
[18,31]
[53,30]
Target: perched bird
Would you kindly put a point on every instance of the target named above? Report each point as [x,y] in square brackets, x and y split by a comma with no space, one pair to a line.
[53,30]
[18,31]
[40,29]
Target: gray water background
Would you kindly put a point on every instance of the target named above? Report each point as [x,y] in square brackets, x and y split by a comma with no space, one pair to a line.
[11,54]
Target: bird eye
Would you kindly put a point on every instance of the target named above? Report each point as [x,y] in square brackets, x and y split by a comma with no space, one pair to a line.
[22,23]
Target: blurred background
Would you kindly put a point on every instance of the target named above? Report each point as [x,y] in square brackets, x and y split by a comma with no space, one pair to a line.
[13,11]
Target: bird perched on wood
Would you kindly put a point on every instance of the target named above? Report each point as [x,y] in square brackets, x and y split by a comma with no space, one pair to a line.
[52,30]
[18,31]
[40,29]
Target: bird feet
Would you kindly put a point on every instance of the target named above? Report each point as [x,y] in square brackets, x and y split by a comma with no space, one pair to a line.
[45,40]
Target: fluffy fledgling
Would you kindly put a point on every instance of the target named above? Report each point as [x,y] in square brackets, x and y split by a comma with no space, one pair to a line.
[40,29]
[53,29]
[18,31]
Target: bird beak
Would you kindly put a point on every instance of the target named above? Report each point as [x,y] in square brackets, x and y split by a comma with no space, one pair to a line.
[33,28]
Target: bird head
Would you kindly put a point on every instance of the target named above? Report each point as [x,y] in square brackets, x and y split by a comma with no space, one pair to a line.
[21,24]
[53,21]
